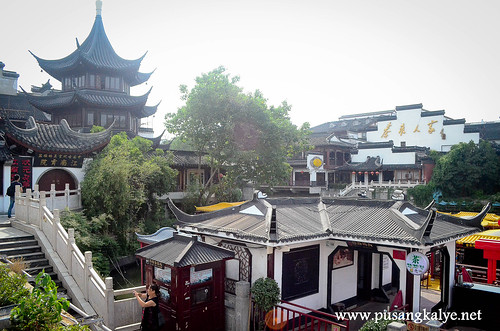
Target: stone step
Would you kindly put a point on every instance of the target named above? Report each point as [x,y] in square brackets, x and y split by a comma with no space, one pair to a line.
[38,262]
[15,251]
[19,238]
[35,270]
[29,257]
[18,243]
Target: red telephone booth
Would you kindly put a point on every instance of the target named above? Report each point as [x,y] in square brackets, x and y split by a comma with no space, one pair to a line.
[191,276]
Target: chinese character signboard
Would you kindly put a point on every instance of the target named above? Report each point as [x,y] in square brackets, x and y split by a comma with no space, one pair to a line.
[58,160]
[23,167]
[417,263]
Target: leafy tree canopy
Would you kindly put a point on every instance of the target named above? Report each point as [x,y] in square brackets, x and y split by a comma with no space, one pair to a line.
[122,182]
[238,132]
[468,170]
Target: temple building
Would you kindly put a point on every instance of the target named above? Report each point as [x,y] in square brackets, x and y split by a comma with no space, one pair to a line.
[96,86]
[45,133]
[381,148]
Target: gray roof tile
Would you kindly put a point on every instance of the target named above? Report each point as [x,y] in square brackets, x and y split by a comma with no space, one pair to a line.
[181,251]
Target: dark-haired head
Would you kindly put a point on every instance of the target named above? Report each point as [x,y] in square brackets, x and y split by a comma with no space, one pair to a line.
[17,177]
[154,287]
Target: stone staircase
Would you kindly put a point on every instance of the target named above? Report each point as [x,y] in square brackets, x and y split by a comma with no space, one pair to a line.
[24,246]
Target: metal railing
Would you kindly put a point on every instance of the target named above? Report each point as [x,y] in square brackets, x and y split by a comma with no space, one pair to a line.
[288,316]
[480,274]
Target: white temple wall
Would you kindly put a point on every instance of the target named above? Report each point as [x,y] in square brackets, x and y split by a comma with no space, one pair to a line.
[414,130]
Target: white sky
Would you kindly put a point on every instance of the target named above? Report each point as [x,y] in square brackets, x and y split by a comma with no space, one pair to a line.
[326,58]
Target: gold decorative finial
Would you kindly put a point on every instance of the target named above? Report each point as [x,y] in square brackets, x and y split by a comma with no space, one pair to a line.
[98,7]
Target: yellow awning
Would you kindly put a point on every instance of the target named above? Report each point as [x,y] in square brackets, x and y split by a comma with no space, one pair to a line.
[219,206]
[489,221]
[470,241]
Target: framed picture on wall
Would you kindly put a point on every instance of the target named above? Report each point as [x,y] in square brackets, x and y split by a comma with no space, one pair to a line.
[343,257]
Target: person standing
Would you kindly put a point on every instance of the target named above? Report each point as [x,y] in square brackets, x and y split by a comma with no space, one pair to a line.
[149,301]
[11,192]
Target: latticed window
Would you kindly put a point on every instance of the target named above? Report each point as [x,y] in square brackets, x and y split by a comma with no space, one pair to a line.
[244,257]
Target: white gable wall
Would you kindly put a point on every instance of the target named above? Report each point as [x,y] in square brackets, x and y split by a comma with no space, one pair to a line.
[344,281]
[386,156]
[413,129]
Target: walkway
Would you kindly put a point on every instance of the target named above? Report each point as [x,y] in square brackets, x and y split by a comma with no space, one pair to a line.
[6,231]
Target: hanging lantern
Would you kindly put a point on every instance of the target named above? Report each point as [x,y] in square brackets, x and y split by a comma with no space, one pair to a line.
[377,172]
[371,172]
[354,172]
[360,172]
[366,172]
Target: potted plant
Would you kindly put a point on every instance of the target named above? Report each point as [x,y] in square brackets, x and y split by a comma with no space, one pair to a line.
[265,294]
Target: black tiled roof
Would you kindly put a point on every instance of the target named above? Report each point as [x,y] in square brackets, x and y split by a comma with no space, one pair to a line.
[57,138]
[352,125]
[381,144]
[452,122]
[187,159]
[428,113]
[371,164]
[352,219]
[409,166]
[487,130]
[182,251]
[94,98]
[17,107]
[97,53]
[5,153]
[407,107]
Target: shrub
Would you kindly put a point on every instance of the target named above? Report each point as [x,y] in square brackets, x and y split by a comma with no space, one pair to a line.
[266,293]
[41,309]
[11,286]
[373,325]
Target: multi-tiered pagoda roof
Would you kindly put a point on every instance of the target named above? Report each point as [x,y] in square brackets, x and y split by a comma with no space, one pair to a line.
[96,84]
[95,54]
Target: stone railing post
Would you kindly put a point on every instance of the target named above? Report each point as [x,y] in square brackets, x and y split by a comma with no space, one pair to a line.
[79,192]
[52,196]
[55,223]
[36,193]
[29,217]
[242,305]
[41,203]
[71,241]
[66,194]
[109,321]
[88,265]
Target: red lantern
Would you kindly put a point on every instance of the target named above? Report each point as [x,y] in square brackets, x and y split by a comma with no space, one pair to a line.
[360,172]
[366,172]
[377,172]
[354,172]
[371,172]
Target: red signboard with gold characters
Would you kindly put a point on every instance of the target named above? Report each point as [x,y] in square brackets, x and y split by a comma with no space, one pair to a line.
[23,167]
[58,160]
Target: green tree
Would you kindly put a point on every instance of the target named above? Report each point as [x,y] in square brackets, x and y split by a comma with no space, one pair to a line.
[236,131]
[123,182]
[468,170]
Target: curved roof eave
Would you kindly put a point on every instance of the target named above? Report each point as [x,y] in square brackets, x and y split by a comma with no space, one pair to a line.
[96,51]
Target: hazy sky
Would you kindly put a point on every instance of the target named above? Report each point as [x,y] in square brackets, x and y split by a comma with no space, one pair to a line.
[326,58]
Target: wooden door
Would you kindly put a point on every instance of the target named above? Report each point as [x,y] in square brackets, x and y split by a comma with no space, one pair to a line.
[59,177]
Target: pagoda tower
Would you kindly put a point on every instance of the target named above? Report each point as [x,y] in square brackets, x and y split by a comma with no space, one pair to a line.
[96,86]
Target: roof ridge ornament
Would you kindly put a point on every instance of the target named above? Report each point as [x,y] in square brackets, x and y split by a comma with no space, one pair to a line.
[98,7]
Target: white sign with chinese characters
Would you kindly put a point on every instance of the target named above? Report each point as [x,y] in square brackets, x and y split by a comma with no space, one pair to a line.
[417,263]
